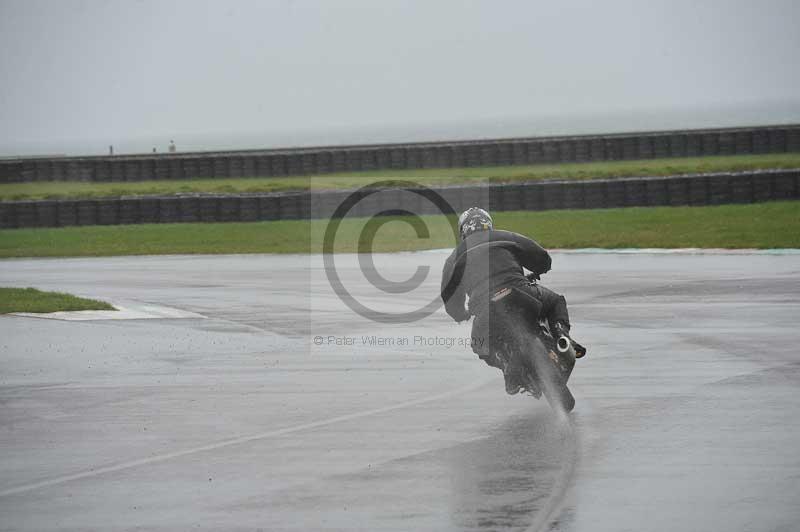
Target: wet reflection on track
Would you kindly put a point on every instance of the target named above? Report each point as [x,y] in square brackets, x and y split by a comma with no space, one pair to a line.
[516,477]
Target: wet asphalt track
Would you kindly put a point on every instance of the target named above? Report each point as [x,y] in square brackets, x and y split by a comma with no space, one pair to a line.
[687,413]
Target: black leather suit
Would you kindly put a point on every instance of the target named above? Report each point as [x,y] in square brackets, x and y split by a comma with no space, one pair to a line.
[486,261]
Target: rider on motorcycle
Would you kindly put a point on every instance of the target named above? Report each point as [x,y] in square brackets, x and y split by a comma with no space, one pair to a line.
[485,261]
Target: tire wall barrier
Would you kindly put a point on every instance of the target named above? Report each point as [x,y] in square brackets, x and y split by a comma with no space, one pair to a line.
[316,161]
[704,189]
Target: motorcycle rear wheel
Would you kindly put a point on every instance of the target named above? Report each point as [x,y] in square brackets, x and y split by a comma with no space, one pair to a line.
[550,380]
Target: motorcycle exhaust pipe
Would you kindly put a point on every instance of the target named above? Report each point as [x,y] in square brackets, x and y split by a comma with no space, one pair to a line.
[563,344]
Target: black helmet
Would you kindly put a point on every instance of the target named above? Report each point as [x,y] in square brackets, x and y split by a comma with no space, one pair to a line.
[474,219]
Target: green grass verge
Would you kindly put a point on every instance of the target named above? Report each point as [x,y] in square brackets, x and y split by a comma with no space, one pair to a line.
[32,300]
[764,225]
[444,176]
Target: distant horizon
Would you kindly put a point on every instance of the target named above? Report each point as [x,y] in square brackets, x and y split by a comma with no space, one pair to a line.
[767,114]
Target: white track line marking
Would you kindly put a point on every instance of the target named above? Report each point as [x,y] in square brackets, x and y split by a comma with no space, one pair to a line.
[236,441]
[677,251]
[654,251]
[128,310]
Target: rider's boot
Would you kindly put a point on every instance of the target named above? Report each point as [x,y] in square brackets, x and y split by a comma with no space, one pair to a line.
[512,386]
[580,351]
[513,375]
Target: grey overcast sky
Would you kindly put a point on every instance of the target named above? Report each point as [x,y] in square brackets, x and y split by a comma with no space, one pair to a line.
[80,75]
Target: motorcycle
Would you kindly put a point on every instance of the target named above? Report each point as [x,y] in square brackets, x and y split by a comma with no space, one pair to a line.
[544,359]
